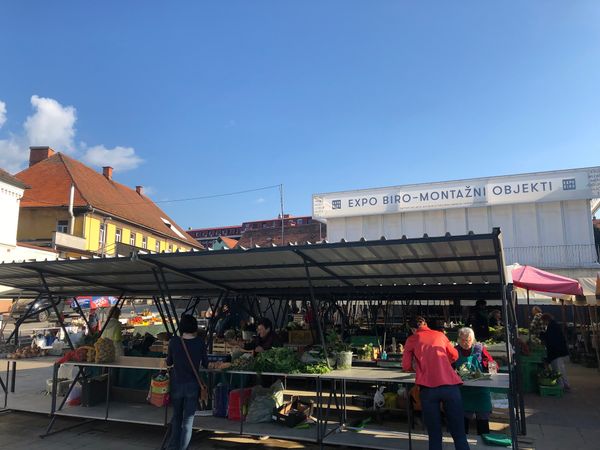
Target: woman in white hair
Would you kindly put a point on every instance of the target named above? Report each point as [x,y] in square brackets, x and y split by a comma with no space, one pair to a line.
[476,400]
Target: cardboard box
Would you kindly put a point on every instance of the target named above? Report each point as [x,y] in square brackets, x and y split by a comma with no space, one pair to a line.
[300,337]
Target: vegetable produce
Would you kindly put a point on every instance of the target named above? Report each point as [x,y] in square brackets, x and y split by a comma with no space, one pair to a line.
[244,362]
[467,374]
[219,365]
[105,351]
[283,360]
[319,367]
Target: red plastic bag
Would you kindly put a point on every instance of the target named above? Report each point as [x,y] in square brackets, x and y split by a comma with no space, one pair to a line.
[238,403]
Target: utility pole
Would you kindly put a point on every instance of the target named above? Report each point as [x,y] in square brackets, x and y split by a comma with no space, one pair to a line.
[282,219]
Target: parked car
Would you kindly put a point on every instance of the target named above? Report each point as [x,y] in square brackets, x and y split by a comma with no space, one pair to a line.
[20,307]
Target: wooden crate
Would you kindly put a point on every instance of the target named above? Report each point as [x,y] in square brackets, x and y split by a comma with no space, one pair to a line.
[300,337]
[221,347]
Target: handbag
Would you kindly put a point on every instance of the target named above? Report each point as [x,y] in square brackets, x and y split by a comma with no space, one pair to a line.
[203,397]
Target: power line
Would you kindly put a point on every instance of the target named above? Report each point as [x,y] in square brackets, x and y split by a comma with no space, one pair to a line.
[204,197]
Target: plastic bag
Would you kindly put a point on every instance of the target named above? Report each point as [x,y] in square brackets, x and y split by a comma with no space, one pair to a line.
[263,401]
[158,395]
[65,372]
[74,398]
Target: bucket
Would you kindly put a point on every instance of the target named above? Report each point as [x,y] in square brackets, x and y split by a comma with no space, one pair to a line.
[344,360]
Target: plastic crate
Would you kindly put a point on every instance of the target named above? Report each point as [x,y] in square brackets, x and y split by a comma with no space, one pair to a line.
[529,376]
[551,391]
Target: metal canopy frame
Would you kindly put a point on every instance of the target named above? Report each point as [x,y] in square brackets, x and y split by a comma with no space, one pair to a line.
[429,268]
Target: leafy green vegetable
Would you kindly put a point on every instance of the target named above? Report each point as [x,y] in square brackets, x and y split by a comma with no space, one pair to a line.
[280,360]
[320,367]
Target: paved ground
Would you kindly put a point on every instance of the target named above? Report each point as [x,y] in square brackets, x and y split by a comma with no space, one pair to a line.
[569,423]
[20,431]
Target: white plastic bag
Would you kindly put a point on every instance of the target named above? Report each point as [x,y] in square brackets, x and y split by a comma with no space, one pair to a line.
[74,398]
[65,372]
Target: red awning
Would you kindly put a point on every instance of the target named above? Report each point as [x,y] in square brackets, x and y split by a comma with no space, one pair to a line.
[528,277]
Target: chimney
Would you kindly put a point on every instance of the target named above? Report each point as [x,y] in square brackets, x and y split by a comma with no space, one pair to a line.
[139,190]
[107,172]
[37,154]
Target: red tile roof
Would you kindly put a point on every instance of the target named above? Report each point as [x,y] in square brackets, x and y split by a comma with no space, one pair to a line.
[231,243]
[51,180]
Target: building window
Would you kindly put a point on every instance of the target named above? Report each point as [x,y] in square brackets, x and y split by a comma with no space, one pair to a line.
[62,226]
[170,248]
[118,235]
[157,247]
[144,242]
[102,234]
[132,239]
[299,221]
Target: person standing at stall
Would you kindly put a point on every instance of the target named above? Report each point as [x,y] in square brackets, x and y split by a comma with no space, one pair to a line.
[556,348]
[184,385]
[432,355]
[537,326]
[113,330]
[479,320]
[476,400]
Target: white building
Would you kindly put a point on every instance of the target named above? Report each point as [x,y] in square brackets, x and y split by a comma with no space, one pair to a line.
[545,217]
[11,191]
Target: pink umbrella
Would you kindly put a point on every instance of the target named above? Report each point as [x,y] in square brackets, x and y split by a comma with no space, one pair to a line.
[530,278]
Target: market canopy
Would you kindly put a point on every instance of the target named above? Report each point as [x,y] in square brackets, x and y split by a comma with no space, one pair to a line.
[447,267]
[534,279]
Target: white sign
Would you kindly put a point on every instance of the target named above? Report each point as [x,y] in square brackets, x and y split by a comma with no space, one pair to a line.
[528,188]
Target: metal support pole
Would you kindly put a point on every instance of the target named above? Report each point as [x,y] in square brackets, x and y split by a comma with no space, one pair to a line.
[313,304]
[161,313]
[162,296]
[166,289]
[22,319]
[81,313]
[58,315]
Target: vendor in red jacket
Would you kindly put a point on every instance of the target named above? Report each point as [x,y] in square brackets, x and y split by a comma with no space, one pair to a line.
[430,354]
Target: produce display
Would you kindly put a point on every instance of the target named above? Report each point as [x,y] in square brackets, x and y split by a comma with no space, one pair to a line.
[219,365]
[548,377]
[27,352]
[244,363]
[279,360]
[475,375]
[105,351]
[78,355]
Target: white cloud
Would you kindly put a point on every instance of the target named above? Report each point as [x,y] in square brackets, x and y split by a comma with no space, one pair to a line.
[119,158]
[12,156]
[260,200]
[2,113]
[53,124]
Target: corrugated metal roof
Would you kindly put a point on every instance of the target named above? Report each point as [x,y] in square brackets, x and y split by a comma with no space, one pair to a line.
[445,267]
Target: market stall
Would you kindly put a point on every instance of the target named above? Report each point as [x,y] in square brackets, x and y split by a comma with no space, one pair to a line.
[429,269]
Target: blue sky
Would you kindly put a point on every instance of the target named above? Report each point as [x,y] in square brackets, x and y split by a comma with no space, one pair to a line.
[198,98]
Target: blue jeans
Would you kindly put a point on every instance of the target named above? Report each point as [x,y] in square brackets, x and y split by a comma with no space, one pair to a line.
[184,398]
[449,396]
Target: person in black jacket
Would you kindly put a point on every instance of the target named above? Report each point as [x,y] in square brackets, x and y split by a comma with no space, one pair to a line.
[183,382]
[479,321]
[556,348]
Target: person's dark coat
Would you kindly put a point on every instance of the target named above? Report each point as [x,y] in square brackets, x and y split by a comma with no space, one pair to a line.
[554,339]
[479,321]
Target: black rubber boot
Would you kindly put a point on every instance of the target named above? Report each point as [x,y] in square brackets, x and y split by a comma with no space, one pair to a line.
[483,427]
[467,425]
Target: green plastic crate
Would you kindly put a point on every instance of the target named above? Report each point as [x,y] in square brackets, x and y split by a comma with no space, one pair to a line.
[551,391]
[529,375]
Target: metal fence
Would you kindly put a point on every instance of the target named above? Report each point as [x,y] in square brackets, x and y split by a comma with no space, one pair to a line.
[553,255]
